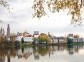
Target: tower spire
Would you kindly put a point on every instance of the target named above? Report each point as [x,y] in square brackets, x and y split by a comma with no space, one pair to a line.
[8,30]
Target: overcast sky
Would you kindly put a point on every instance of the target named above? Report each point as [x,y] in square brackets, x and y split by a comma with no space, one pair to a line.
[20,19]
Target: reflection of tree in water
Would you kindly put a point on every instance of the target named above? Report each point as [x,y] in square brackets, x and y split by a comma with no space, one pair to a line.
[41,50]
[37,51]
[11,53]
[22,49]
[7,52]
[2,55]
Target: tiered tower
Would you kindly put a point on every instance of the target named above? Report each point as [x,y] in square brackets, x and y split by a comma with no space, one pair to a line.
[8,30]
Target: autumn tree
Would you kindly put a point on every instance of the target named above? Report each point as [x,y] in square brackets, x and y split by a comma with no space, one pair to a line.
[4,3]
[43,38]
[76,36]
[13,37]
[2,39]
[74,6]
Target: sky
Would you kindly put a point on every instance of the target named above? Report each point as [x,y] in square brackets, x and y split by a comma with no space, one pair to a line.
[20,19]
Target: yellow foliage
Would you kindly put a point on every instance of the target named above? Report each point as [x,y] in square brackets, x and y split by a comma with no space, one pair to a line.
[1,39]
[43,37]
[74,7]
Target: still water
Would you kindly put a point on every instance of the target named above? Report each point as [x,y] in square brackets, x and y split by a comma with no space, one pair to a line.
[43,54]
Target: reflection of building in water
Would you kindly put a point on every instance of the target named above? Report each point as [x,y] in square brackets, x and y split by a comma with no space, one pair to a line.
[36,55]
[59,47]
[71,48]
[24,52]
[24,55]
[75,49]
[71,51]
[52,49]
[35,52]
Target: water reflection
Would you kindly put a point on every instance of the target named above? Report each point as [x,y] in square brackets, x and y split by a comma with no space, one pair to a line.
[6,52]
[36,53]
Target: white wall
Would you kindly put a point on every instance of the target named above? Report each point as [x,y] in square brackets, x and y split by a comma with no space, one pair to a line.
[26,39]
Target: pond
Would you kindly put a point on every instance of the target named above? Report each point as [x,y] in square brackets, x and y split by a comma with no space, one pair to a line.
[61,53]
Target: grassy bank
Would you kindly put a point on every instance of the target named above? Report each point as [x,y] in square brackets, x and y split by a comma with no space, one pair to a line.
[26,45]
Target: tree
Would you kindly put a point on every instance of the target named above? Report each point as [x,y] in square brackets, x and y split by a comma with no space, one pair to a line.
[22,40]
[4,4]
[2,39]
[13,37]
[76,36]
[43,38]
[74,6]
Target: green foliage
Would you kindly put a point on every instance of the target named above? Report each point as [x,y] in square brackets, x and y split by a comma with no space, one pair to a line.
[22,40]
[69,41]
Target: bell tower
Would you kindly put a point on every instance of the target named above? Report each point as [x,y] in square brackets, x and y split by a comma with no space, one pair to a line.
[8,30]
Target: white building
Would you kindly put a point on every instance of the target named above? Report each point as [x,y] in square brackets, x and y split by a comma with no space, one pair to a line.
[36,34]
[26,39]
[78,39]
[59,39]
[18,38]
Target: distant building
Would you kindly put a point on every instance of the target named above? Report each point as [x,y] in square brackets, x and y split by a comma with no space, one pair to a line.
[19,34]
[26,39]
[59,39]
[8,31]
[36,56]
[2,32]
[36,32]
[78,39]
[26,36]
[70,35]
[18,38]
[50,37]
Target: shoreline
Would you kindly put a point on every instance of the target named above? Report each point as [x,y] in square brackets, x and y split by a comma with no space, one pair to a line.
[20,45]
